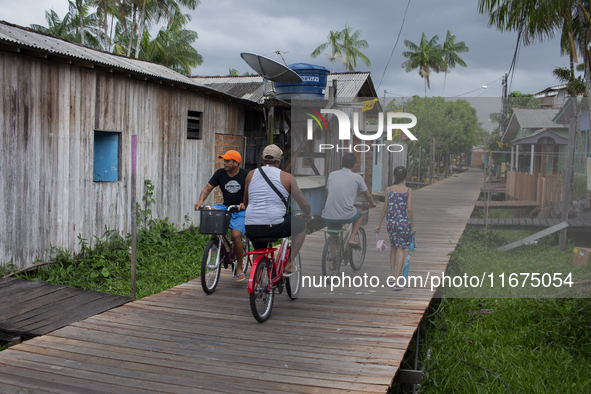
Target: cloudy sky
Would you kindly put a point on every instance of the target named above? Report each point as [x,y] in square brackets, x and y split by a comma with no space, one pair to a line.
[297,27]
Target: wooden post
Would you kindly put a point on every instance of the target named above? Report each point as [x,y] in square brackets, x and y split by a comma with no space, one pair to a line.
[133,212]
[419,174]
[566,180]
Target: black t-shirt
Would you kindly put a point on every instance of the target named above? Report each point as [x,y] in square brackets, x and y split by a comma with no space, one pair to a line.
[232,187]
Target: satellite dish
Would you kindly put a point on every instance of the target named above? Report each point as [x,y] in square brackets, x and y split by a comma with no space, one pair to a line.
[270,69]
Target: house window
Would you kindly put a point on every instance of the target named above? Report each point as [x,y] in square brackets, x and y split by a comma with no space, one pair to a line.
[194,125]
[106,156]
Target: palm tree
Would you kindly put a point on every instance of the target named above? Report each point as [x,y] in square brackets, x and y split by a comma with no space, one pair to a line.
[351,44]
[335,39]
[83,23]
[425,57]
[451,48]
[153,11]
[173,48]
[56,26]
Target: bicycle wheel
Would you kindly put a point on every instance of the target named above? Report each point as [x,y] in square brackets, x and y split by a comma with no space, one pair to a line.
[246,244]
[357,256]
[210,271]
[261,299]
[331,261]
[294,282]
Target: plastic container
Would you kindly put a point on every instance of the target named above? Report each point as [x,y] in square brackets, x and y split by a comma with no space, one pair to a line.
[312,87]
[215,221]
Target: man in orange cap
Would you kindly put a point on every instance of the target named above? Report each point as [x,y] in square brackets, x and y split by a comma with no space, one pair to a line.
[231,181]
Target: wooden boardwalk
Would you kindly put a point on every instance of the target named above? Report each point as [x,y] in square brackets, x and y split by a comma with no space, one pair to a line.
[510,204]
[578,225]
[182,341]
[33,308]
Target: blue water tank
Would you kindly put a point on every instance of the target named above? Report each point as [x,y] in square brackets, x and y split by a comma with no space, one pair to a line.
[312,87]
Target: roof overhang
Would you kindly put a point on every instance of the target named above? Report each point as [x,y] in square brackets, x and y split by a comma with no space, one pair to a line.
[26,41]
[541,137]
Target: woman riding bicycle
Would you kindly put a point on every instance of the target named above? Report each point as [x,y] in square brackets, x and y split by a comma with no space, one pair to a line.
[266,205]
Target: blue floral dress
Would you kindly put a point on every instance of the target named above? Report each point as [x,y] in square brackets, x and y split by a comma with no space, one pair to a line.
[397,220]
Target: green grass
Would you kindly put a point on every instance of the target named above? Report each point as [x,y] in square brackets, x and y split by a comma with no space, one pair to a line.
[534,344]
[164,258]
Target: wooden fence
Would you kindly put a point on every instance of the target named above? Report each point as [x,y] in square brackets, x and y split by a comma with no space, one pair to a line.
[525,187]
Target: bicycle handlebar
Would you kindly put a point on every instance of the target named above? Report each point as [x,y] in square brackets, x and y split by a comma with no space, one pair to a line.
[231,208]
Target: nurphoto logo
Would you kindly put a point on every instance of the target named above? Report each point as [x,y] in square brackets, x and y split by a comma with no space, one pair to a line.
[345,129]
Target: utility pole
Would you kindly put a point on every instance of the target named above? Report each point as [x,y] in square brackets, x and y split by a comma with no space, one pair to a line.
[568,173]
[504,106]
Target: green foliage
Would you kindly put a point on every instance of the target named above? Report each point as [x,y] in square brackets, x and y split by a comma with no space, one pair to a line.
[454,124]
[578,190]
[535,345]
[165,258]
[123,28]
[425,57]
[344,45]
[173,47]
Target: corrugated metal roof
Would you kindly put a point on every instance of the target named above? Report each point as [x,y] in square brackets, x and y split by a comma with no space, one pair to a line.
[25,37]
[531,118]
[250,87]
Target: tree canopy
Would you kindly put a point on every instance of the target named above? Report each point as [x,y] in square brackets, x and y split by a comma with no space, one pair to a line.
[123,27]
[345,45]
[427,56]
[454,124]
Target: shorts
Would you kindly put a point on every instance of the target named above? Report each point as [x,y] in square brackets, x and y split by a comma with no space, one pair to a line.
[237,221]
[290,225]
[338,223]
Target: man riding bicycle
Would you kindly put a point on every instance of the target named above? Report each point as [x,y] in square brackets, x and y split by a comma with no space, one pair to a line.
[343,186]
[266,205]
[231,180]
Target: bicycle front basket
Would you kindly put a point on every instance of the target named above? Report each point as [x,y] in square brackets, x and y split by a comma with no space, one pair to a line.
[214,221]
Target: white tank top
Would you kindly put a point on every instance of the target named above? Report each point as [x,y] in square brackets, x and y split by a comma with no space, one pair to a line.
[264,205]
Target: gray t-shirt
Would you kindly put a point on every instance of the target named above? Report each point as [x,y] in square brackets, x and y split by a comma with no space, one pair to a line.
[343,186]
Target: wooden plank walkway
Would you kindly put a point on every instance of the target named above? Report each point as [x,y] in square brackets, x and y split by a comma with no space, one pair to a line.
[33,308]
[508,204]
[182,341]
[578,225]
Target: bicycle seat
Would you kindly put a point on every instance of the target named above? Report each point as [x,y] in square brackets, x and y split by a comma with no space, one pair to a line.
[265,240]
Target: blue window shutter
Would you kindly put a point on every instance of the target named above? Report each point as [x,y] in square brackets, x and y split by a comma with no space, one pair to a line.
[106,156]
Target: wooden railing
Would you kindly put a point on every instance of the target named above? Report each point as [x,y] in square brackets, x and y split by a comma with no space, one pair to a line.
[525,187]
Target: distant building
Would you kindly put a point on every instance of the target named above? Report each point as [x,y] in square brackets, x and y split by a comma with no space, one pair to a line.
[553,96]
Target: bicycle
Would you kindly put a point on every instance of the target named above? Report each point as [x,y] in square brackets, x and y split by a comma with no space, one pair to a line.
[266,275]
[337,249]
[219,251]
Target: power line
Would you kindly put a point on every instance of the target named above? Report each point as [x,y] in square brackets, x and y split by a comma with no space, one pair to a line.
[475,90]
[396,43]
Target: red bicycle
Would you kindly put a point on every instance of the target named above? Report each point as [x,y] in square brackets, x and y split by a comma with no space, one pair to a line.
[266,275]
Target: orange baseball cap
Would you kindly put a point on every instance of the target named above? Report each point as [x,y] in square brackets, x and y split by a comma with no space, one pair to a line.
[232,155]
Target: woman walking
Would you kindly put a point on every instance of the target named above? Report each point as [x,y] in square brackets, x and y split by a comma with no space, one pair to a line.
[398,213]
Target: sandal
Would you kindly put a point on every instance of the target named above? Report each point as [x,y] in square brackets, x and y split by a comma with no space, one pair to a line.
[354,246]
[288,274]
[240,278]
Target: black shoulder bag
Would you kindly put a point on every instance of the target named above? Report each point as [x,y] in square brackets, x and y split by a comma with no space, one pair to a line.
[281,196]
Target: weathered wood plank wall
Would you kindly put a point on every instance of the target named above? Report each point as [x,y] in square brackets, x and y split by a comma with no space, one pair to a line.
[49,114]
